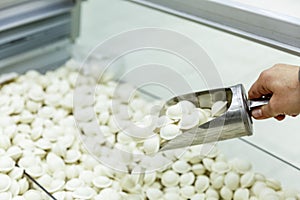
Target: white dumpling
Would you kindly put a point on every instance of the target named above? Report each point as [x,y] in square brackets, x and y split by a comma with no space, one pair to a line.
[169,131]
[189,121]
[5,182]
[174,112]
[152,144]
[170,178]
[186,106]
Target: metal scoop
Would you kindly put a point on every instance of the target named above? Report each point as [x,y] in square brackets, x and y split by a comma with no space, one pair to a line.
[235,122]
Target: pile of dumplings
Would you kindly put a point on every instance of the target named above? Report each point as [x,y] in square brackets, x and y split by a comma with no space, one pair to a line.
[39,134]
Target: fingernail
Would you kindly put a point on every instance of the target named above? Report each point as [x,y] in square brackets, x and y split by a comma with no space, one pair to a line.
[257,113]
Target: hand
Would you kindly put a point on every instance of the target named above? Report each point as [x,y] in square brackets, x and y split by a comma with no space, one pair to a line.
[282,82]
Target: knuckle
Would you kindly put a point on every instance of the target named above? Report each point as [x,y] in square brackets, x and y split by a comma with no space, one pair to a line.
[278,65]
[265,75]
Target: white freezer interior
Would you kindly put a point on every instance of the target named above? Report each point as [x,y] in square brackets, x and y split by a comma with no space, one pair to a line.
[230,54]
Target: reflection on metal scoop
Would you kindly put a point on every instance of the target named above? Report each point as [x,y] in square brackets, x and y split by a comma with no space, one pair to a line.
[235,122]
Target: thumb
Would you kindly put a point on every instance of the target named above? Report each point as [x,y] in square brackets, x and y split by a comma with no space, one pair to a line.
[257,113]
[264,112]
[267,111]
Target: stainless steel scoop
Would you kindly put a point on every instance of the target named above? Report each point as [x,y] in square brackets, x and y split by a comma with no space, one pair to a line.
[235,122]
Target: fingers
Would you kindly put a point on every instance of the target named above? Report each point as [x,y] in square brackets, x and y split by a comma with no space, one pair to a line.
[269,110]
[259,88]
[260,113]
[280,117]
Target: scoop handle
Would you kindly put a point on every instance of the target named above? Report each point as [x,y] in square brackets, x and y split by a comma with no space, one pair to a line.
[254,103]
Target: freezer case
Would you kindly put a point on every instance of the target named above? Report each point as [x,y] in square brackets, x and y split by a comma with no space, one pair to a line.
[29,45]
[34,34]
